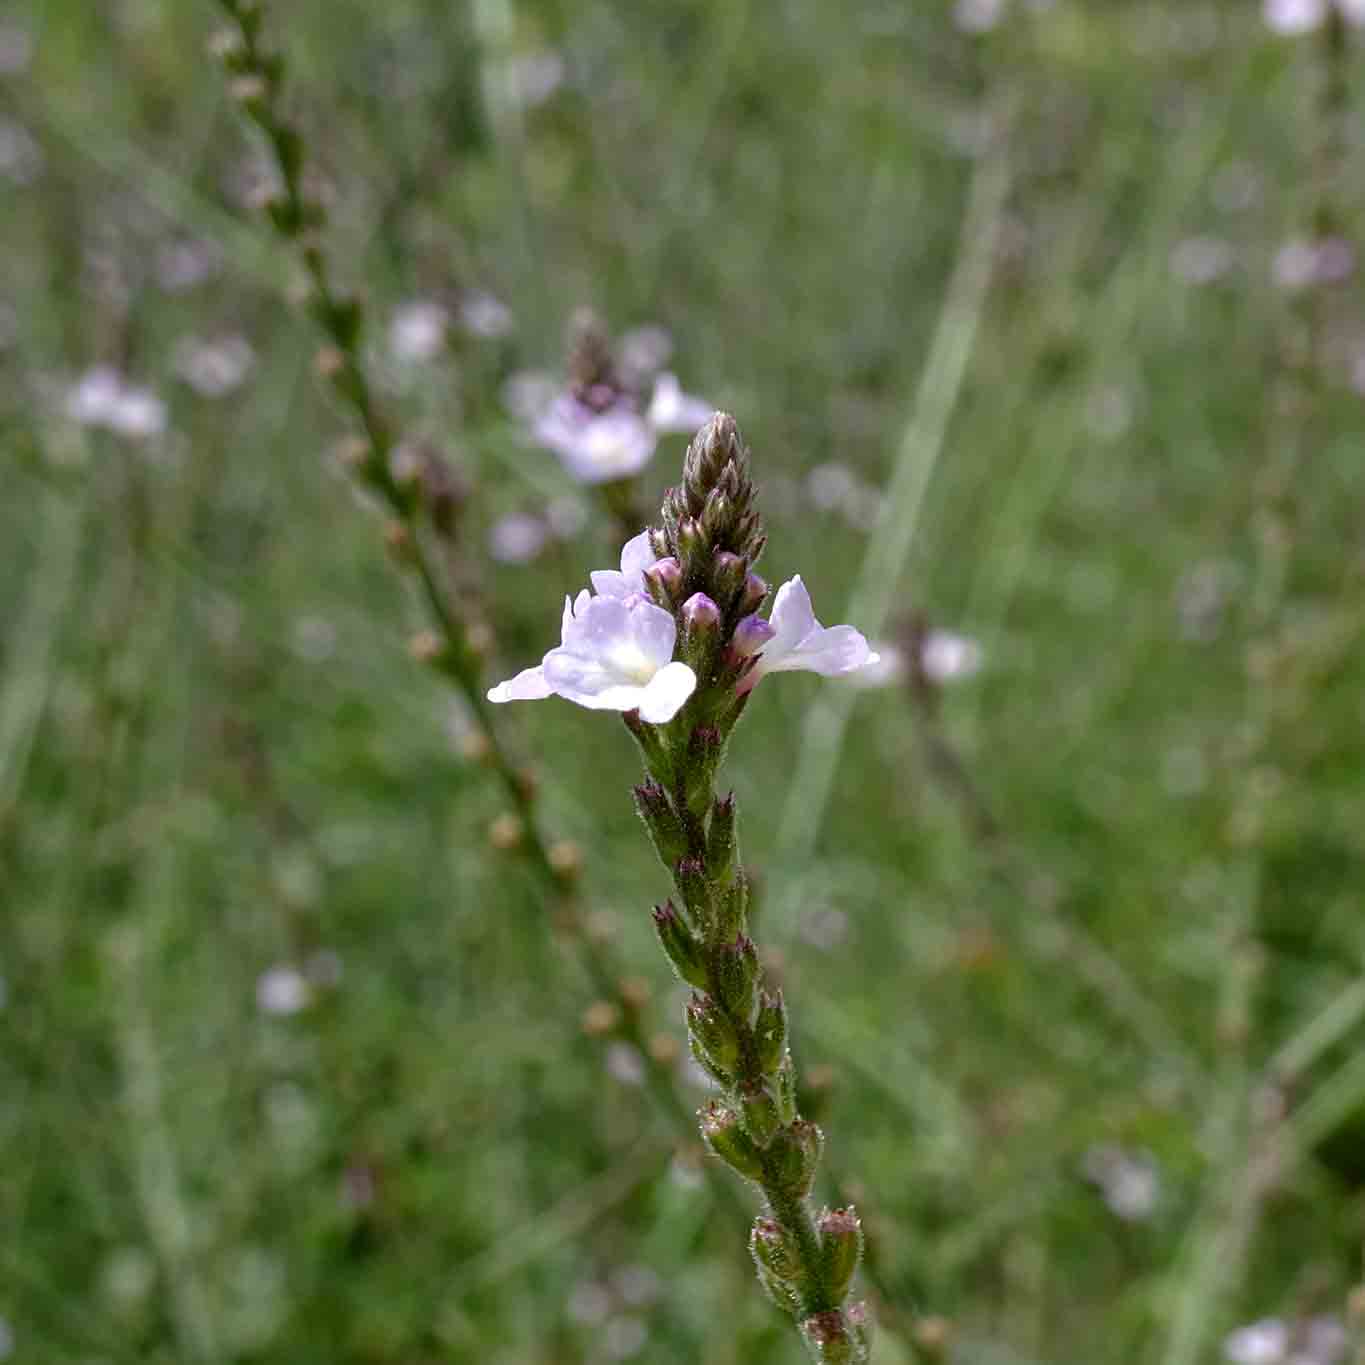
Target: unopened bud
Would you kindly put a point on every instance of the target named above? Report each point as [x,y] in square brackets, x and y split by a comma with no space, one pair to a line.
[428,648]
[228,47]
[476,746]
[663,581]
[779,1266]
[664,1049]
[758,1109]
[770,1031]
[600,1019]
[665,829]
[398,541]
[658,542]
[250,91]
[831,1340]
[933,1335]
[737,975]
[330,362]
[727,575]
[786,1089]
[720,840]
[751,635]
[841,1248]
[634,992]
[690,877]
[717,517]
[692,547]
[714,1040]
[680,945]
[754,595]
[732,917]
[505,833]
[705,749]
[721,1130]
[794,1155]
[566,860]
[701,622]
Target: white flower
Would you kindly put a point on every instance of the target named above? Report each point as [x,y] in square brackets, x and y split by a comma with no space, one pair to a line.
[485,315]
[978,16]
[636,557]
[282,990]
[418,331]
[138,414]
[517,538]
[800,642]
[214,368]
[596,447]
[615,654]
[945,657]
[1259,1343]
[1290,17]
[670,409]
[93,400]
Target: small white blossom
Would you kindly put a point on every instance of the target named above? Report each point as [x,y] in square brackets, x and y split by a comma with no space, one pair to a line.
[103,399]
[978,16]
[517,538]
[1129,1181]
[1259,1343]
[418,331]
[670,409]
[1202,260]
[1291,17]
[183,264]
[644,351]
[213,369]
[946,657]
[625,1064]
[800,642]
[139,415]
[533,77]
[615,654]
[484,315]
[596,447]
[282,990]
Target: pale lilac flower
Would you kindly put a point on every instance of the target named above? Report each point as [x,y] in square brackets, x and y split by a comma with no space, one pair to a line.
[533,77]
[1296,265]
[92,401]
[616,654]
[138,415]
[529,394]
[181,265]
[978,16]
[1292,17]
[1258,1343]
[889,670]
[418,331]
[1202,260]
[282,990]
[596,447]
[625,1064]
[800,642]
[517,538]
[670,409]
[484,315]
[565,517]
[946,657]
[636,556]
[643,352]
[213,369]
[1129,1181]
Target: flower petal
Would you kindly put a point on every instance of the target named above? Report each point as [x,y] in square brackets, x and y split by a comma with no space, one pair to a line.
[636,557]
[667,690]
[670,409]
[529,685]
[792,619]
[829,651]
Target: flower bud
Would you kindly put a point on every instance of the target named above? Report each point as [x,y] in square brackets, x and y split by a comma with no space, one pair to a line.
[758,1110]
[663,582]
[658,541]
[701,622]
[831,1339]
[793,1156]
[859,1319]
[720,841]
[566,860]
[600,1019]
[720,1127]
[750,635]
[717,516]
[732,915]
[692,547]
[713,1036]
[754,595]
[770,1031]
[727,575]
[705,749]
[506,832]
[690,876]
[737,974]
[665,829]
[841,1248]
[778,1263]
[680,945]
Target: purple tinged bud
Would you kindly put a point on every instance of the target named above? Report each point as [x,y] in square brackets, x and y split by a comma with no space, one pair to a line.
[755,594]
[750,636]
[714,1040]
[663,581]
[737,975]
[700,615]
[841,1248]
[727,575]
[793,1157]
[778,1263]
[759,1112]
[691,547]
[770,1031]
[679,944]
[720,1127]
[658,541]
[831,1340]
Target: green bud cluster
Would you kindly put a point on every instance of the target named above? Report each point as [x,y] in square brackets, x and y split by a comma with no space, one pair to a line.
[708,541]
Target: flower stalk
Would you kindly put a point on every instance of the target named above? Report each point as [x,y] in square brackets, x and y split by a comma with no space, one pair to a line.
[710,538]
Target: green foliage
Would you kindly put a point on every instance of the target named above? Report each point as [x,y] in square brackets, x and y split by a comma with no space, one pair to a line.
[1104,895]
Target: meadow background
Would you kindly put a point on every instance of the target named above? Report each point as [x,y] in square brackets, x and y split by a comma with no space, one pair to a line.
[1041,320]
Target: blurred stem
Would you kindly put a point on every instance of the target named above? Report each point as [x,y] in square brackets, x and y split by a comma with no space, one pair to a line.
[256,78]
[921,444]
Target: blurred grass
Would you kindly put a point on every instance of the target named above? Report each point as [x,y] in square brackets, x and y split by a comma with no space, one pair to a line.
[216,756]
